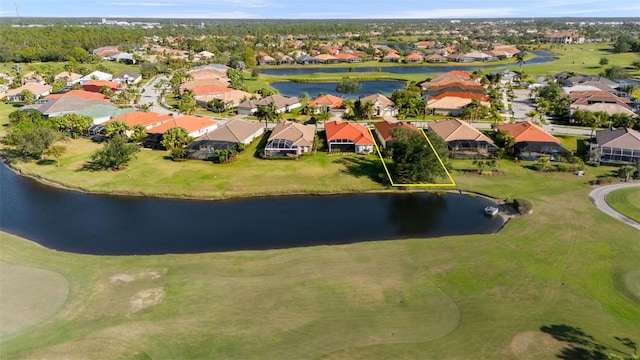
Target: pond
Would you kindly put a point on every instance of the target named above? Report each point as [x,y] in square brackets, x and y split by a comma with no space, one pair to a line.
[421,69]
[115,225]
[292,88]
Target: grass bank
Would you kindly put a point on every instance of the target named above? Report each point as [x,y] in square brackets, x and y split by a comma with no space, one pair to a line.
[564,270]
[626,201]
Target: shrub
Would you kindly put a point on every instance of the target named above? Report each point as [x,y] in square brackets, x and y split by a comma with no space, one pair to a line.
[523,206]
[564,167]
[593,163]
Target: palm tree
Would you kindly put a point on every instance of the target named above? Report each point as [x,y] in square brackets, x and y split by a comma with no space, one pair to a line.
[266,113]
[323,116]
[520,60]
[367,109]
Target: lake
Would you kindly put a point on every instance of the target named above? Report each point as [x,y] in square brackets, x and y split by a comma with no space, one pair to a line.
[419,69]
[292,88]
[116,225]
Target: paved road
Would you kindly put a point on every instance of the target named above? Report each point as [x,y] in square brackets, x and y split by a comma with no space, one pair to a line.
[151,95]
[598,198]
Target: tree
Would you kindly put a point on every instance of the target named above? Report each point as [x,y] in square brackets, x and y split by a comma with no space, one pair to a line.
[321,117]
[348,86]
[175,137]
[28,97]
[115,154]
[520,60]
[603,61]
[407,101]
[367,109]
[116,128]
[187,103]
[415,161]
[57,151]
[626,172]
[71,124]
[35,142]
[615,72]
[266,113]
[266,91]
[139,133]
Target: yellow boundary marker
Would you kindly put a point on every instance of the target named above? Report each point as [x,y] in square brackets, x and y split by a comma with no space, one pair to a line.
[451,184]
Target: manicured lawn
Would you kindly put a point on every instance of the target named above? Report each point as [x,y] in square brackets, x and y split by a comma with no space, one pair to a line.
[626,201]
[483,296]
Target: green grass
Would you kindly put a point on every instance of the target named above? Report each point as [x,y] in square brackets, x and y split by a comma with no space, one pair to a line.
[626,201]
[28,296]
[458,297]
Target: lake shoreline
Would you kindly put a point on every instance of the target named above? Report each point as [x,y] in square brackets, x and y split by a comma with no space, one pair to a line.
[57,185]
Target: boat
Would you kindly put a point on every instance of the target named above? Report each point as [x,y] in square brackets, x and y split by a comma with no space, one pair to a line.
[491,210]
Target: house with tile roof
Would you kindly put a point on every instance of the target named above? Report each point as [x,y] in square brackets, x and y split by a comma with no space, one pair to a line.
[391,57]
[435,58]
[101,113]
[620,146]
[128,77]
[64,105]
[330,103]
[414,58]
[89,95]
[281,103]
[196,126]
[227,136]
[464,141]
[68,77]
[424,44]
[231,99]
[594,100]
[289,139]
[451,103]
[533,142]
[382,105]
[96,75]
[348,58]
[37,89]
[147,119]
[383,131]
[97,85]
[327,59]
[348,137]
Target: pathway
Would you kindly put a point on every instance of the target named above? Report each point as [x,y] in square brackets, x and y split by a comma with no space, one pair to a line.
[598,198]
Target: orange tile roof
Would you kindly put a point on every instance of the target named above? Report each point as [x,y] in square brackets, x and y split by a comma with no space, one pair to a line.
[460,73]
[384,128]
[97,85]
[332,101]
[209,89]
[337,129]
[141,118]
[462,95]
[89,95]
[527,131]
[469,85]
[414,56]
[345,56]
[191,123]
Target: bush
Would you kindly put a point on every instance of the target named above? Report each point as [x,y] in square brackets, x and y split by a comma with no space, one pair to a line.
[178,154]
[604,180]
[564,167]
[593,163]
[523,206]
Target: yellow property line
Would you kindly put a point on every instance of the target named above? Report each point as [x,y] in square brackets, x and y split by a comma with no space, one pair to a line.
[451,184]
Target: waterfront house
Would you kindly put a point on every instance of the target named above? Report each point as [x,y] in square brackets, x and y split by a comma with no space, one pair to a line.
[289,139]
[385,127]
[348,137]
[463,140]
[533,142]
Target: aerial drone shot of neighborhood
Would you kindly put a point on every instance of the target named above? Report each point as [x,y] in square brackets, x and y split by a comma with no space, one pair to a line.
[275,179]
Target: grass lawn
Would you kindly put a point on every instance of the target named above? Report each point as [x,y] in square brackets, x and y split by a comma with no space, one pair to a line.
[566,267]
[626,201]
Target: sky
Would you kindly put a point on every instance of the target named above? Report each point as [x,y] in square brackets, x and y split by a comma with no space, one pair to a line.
[321,9]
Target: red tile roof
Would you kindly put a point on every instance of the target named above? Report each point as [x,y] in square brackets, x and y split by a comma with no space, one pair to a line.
[189,122]
[527,131]
[337,129]
[462,95]
[89,95]
[96,85]
[384,128]
[332,101]
[141,118]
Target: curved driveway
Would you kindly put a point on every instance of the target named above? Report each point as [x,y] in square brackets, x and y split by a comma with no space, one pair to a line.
[597,197]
